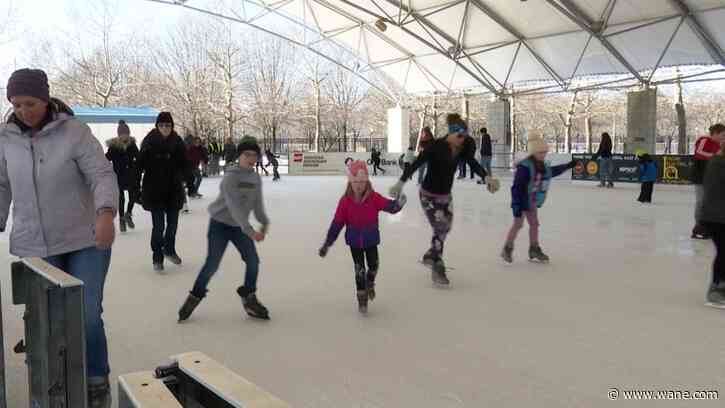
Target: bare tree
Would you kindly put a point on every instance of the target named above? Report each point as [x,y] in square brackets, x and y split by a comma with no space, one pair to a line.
[228,57]
[269,85]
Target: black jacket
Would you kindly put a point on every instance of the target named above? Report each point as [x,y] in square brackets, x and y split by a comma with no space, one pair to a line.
[713,202]
[442,166]
[163,166]
[605,150]
[123,156]
[486,147]
[230,152]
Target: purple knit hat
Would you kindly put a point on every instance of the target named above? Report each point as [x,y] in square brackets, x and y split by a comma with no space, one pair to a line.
[29,82]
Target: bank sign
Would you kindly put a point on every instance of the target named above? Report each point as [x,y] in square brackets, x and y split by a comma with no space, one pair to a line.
[334,163]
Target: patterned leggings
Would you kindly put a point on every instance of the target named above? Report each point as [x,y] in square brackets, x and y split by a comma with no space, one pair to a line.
[440,216]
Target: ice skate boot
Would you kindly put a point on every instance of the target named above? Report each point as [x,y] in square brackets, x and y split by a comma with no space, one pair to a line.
[439,273]
[507,253]
[251,304]
[129,221]
[362,301]
[188,307]
[122,223]
[716,296]
[371,283]
[537,255]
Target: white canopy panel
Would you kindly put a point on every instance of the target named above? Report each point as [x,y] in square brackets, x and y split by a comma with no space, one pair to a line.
[465,45]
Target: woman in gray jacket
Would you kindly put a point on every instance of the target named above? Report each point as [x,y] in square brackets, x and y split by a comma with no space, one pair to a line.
[65,199]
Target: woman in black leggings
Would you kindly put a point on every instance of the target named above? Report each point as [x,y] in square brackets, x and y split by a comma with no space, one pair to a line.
[442,158]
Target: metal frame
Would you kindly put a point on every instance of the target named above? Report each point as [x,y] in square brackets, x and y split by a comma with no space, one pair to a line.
[417,24]
[54,334]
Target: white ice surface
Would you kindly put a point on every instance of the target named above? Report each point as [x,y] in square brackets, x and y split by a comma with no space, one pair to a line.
[620,305]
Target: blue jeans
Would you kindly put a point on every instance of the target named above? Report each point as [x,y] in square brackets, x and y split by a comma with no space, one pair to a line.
[486,164]
[605,170]
[218,237]
[163,234]
[91,266]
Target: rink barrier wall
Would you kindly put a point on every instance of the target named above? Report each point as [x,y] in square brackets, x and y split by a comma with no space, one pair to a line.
[334,163]
[671,169]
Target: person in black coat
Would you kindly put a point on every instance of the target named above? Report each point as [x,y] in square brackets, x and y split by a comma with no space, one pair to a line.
[163,166]
[122,152]
[230,152]
[272,159]
[604,156]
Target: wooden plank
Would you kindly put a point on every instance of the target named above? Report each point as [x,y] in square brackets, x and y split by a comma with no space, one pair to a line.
[225,383]
[142,390]
[51,273]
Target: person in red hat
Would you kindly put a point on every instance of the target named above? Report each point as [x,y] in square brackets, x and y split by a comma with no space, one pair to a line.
[358,211]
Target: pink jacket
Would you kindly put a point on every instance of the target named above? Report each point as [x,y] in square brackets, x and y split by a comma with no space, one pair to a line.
[361,219]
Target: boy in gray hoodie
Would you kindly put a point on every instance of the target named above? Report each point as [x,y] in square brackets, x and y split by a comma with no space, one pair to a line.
[240,194]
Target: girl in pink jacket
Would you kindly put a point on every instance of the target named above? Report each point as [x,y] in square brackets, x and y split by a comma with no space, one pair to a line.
[358,211]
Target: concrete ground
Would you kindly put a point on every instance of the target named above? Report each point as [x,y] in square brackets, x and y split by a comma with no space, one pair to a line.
[619,306]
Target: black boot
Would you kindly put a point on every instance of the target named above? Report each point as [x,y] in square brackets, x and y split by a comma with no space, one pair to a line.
[189,305]
[252,305]
[129,221]
[372,273]
[362,301]
[99,392]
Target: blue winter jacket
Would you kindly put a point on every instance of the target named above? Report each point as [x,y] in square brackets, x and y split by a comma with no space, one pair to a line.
[648,171]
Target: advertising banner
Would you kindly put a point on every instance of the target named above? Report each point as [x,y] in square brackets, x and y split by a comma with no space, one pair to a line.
[671,169]
[334,163]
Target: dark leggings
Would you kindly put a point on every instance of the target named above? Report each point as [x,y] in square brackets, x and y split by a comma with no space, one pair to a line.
[122,202]
[717,231]
[358,257]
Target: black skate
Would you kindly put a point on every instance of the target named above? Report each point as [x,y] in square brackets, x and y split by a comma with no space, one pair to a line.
[507,253]
[428,259]
[173,258]
[439,273]
[122,224]
[362,301]
[371,284]
[537,255]
[129,221]
[189,305]
[251,304]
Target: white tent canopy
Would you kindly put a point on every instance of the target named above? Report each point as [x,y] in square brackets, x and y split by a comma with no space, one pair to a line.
[490,45]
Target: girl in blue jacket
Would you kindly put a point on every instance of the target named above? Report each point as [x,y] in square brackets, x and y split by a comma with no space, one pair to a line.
[647,176]
[528,194]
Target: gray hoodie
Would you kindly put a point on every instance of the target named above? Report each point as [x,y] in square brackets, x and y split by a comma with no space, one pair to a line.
[57,182]
[240,193]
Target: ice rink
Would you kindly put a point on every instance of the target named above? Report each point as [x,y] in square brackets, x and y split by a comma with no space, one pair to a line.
[619,306]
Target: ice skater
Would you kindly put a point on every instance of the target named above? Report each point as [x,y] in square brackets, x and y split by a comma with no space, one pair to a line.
[358,211]
[647,176]
[272,159]
[528,193]
[375,161]
[163,167]
[705,148]
[712,217]
[123,152]
[240,193]
[442,158]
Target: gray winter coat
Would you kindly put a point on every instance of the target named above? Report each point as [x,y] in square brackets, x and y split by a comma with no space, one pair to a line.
[57,183]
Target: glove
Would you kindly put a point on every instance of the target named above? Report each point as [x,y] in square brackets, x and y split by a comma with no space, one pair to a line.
[323,251]
[492,184]
[397,189]
[572,164]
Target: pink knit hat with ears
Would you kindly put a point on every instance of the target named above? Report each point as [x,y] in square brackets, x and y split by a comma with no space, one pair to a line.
[357,171]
